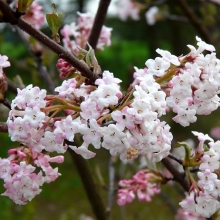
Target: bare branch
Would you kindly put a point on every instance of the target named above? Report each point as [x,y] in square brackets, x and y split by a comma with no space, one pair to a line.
[195,21]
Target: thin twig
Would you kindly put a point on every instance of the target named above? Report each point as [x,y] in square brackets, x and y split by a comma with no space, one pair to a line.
[40,67]
[98,22]
[175,158]
[176,175]
[11,86]
[10,16]
[111,189]
[89,185]
[3,127]
[195,21]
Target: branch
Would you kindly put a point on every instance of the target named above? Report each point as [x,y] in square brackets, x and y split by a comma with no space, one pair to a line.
[98,22]
[10,16]
[176,175]
[175,158]
[40,67]
[195,21]
[3,127]
[111,189]
[89,185]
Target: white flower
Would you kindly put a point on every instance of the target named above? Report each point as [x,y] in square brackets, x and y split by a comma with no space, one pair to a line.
[151,15]
[157,67]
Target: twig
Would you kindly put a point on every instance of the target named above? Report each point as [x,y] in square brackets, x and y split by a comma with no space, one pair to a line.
[176,175]
[6,103]
[98,22]
[111,189]
[40,67]
[3,127]
[10,16]
[195,21]
[89,185]
[175,158]
[11,86]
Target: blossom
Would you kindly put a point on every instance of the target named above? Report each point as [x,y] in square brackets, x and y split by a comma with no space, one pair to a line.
[80,32]
[127,8]
[34,15]
[141,185]
[151,15]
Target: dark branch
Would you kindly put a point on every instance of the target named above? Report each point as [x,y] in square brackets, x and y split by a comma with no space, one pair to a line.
[176,175]
[40,67]
[98,23]
[195,21]
[10,16]
[89,185]
[3,127]
[175,158]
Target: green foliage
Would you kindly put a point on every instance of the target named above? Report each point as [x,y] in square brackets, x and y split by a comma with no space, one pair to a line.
[23,5]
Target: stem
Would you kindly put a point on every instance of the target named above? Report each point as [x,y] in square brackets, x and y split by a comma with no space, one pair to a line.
[175,158]
[3,127]
[195,21]
[111,189]
[89,185]
[40,67]
[11,17]
[98,22]
[176,175]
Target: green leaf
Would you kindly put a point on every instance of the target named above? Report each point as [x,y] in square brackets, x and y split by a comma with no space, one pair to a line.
[53,22]
[23,5]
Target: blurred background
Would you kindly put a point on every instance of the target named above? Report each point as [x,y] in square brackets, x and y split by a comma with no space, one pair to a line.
[133,42]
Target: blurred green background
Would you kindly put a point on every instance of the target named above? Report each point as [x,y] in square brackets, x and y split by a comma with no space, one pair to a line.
[133,42]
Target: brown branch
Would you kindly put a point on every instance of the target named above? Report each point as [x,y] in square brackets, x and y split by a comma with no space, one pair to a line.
[195,21]
[98,22]
[176,175]
[89,185]
[10,16]
[42,70]
[3,127]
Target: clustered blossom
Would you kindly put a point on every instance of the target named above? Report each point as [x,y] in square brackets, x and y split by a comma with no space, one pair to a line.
[76,35]
[195,83]
[142,184]
[203,197]
[136,128]
[34,15]
[28,125]
[127,125]
[21,181]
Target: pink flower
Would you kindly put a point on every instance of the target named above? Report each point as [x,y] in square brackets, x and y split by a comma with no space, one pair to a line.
[34,15]
[141,184]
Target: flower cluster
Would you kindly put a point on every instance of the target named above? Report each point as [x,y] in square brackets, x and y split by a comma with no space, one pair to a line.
[76,35]
[145,183]
[195,82]
[21,180]
[30,126]
[127,125]
[204,194]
